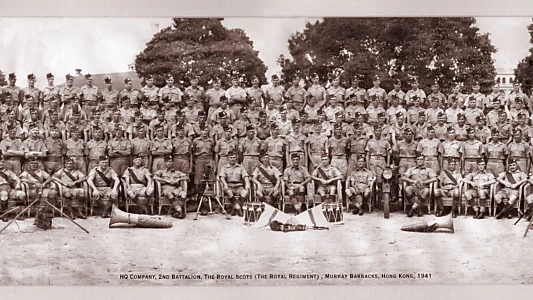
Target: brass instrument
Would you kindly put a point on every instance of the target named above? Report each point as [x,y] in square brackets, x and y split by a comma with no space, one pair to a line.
[118,216]
[445,222]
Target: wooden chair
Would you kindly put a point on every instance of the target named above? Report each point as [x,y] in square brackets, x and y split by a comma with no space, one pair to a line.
[92,203]
[428,204]
[448,201]
[285,199]
[162,200]
[488,204]
[316,199]
[86,189]
[129,202]
[370,201]
[517,205]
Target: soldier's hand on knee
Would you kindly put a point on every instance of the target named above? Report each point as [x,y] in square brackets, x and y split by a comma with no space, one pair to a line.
[96,193]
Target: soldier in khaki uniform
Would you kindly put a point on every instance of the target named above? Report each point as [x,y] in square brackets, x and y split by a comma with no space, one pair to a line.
[195,92]
[428,147]
[296,143]
[471,151]
[160,147]
[250,148]
[504,127]
[88,95]
[49,92]
[453,111]
[140,146]
[449,149]
[110,98]
[31,90]
[317,91]
[418,179]
[267,179]
[139,185]
[203,150]
[296,93]
[275,146]
[75,149]
[461,129]
[519,150]
[255,93]
[73,192]
[449,179]
[479,181]
[358,185]
[119,150]
[377,154]
[96,147]
[326,177]
[182,152]
[68,93]
[337,148]
[150,92]
[104,184]
[170,93]
[224,147]
[174,186]
[316,146]
[56,148]
[511,180]
[12,151]
[379,93]
[295,178]
[479,98]
[275,93]
[236,96]
[496,153]
[414,94]
[16,92]
[130,94]
[356,146]
[10,193]
[235,183]
[436,94]
[407,151]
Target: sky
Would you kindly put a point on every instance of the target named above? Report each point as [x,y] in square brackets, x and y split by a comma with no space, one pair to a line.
[108,45]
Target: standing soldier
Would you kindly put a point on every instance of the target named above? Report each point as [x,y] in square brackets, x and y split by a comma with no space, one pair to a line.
[496,153]
[518,110]
[75,149]
[297,94]
[296,143]
[477,96]
[275,93]
[394,109]
[418,179]
[110,98]
[161,121]
[160,147]
[119,150]
[434,110]
[250,148]
[494,115]
[50,92]
[337,148]
[173,186]
[223,147]
[516,92]
[56,148]
[213,96]
[138,184]
[31,90]
[130,94]
[263,128]
[527,131]
[316,146]
[415,110]
[461,129]
[481,132]
[12,151]
[471,151]
[182,151]
[72,191]
[407,151]
[479,181]
[235,183]
[458,97]
[398,128]
[140,147]
[170,93]
[358,185]
[453,111]
[472,111]
[236,96]
[448,187]
[356,147]
[357,94]
[150,92]
[449,149]
[397,92]
[494,99]
[413,94]
[519,150]
[275,146]
[421,127]
[255,93]
[435,93]
[104,184]
[88,95]
[115,122]
[377,155]
[441,128]
[504,127]
[267,179]
[335,89]
[511,180]
[69,93]
[223,111]
[96,147]
[428,147]
[317,91]
[203,150]
[16,93]
[9,195]
[295,178]
[34,146]
[95,123]
[195,92]
[326,177]
[379,93]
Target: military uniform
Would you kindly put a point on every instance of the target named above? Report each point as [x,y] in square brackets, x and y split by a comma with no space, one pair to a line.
[316,147]
[449,149]
[76,151]
[235,177]
[236,99]
[411,94]
[451,115]
[296,144]
[481,193]
[140,147]
[433,115]
[10,195]
[379,93]
[174,193]
[520,152]
[338,148]
[213,98]
[139,188]
[49,93]
[151,93]
[461,133]
[107,194]
[119,162]
[68,94]
[251,151]
[56,149]
[173,94]
[266,188]
[337,91]
[448,188]
[326,189]
[318,92]
[276,151]
[159,149]
[198,95]
[257,94]
[360,185]
[12,161]
[472,114]
[297,95]
[413,113]
[356,146]
[471,151]
[203,156]
[407,154]
[89,96]
[75,195]
[223,148]
[94,150]
[418,195]
[110,99]
[275,94]
[378,151]
[429,148]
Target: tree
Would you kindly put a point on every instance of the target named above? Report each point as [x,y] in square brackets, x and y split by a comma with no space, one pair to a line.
[524,70]
[200,46]
[3,81]
[446,50]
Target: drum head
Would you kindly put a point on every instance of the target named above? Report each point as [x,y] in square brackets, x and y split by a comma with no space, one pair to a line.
[387,173]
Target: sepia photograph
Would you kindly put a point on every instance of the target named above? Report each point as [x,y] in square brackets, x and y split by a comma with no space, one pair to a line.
[266,151]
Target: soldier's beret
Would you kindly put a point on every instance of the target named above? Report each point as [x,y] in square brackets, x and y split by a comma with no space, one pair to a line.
[160,110]
[376,78]
[295,122]
[358,114]
[127,80]
[11,127]
[254,77]
[480,160]
[436,84]
[49,75]
[68,77]
[394,97]
[337,127]
[52,111]
[421,113]
[244,109]
[96,110]
[399,114]
[408,130]
[451,129]
[294,155]
[222,114]
[479,118]
[169,77]
[521,115]
[69,159]
[33,158]
[351,96]
[33,126]
[377,128]
[179,114]
[460,116]
[339,114]
[512,161]
[517,130]
[249,127]
[137,114]
[125,97]
[12,76]
[87,76]
[149,77]
[275,76]
[420,155]
[360,156]
[223,98]
[324,155]
[227,128]
[441,114]
[430,128]
[273,126]
[179,127]
[452,160]
[262,114]
[216,80]
[381,115]
[470,130]
[494,131]
[119,127]
[28,96]
[232,153]
[74,128]
[108,80]
[201,113]
[397,81]
[31,77]
[137,156]
[320,112]
[434,99]
[168,158]
[476,83]
[192,76]
[302,114]
[157,127]
[103,157]
[9,110]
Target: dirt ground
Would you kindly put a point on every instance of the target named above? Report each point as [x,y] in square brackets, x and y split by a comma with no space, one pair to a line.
[485,251]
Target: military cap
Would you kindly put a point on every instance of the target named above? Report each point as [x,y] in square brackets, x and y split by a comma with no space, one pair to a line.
[169,77]
[512,161]
[216,80]
[480,160]
[227,128]
[222,114]
[436,84]
[414,80]
[52,111]
[324,155]
[418,155]
[169,158]
[157,127]
[28,96]
[415,97]
[333,97]
[460,116]
[360,156]
[376,78]
[31,77]
[397,81]
[517,130]
[88,75]
[295,122]
[68,77]
[33,126]
[433,99]
[12,76]
[494,131]
[108,80]
[179,114]
[49,75]
[103,157]
[320,112]
[452,160]
[421,113]
[479,118]
[377,128]
[430,128]
[149,77]
[223,98]
[521,114]
[11,127]
[358,114]
[451,129]
[302,114]
[179,127]
[160,110]
[262,113]
[127,80]
[315,76]
[33,158]
[254,77]
[244,109]
[9,110]
[381,114]
[441,114]
[232,153]
[340,114]
[283,109]
[294,155]
[69,159]
[394,96]
[408,130]
[351,95]
[192,76]
[201,113]
[273,126]
[476,83]
[495,99]
[138,156]
[470,130]
[137,114]
[249,127]
[96,110]
[399,114]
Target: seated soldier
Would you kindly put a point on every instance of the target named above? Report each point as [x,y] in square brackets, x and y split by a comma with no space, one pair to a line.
[295,178]
[104,184]
[173,186]
[511,180]
[326,177]
[235,183]
[448,187]
[73,192]
[39,185]
[358,185]
[139,185]
[418,179]
[267,179]
[479,181]
[10,195]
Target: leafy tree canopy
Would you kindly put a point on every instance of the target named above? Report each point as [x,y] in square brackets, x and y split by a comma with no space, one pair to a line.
[524,69]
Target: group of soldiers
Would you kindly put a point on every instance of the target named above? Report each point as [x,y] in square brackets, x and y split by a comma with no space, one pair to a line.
[263,140]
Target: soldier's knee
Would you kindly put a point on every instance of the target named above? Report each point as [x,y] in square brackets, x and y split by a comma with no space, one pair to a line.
[20,195]
[348,192]
[244,194]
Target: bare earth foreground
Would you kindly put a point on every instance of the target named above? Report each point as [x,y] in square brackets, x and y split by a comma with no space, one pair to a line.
[480,252]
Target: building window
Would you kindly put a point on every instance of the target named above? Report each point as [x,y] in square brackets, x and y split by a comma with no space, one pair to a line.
[510,79]
[498,80]
[503,80]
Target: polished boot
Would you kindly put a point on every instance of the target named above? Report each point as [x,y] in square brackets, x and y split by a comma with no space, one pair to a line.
[81,214]
[4,209]
[355,210]
[481,215]
[476,214]
[361,211]
[454,212]
[71,213]
[504,211]
[411,213]
[419,211]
